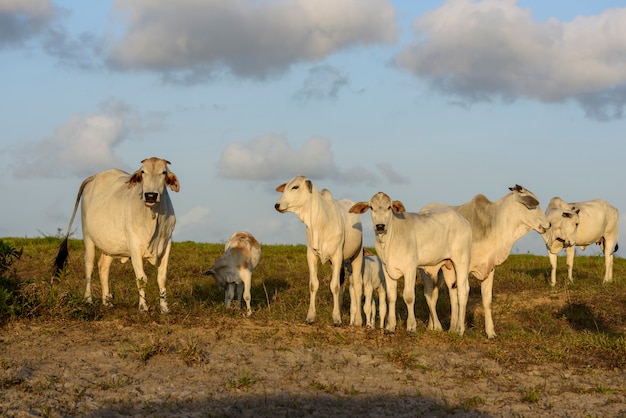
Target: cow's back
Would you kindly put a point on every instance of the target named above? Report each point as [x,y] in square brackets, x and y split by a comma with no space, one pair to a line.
[596,218]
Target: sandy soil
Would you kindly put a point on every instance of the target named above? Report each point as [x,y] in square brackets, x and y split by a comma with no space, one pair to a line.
[241,367]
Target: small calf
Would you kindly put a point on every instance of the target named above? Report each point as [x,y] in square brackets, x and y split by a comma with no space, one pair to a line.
[374,280]
[234,268]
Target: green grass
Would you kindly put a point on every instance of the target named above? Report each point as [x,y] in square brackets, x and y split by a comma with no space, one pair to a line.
[579,324]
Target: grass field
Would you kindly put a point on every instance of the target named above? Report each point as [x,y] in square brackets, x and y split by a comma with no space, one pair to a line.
[575,322]
[574,330]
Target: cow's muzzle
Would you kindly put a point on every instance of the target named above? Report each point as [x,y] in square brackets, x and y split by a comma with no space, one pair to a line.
[277,207]
[379,229]
[150,198]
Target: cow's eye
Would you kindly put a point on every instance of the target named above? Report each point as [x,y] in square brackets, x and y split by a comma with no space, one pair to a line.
[164,172]
[389,208]
[295,187]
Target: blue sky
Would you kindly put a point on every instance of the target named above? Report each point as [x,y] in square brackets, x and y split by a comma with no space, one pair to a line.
[424,100]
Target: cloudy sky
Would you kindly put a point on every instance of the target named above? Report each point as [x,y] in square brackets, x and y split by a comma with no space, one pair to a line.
[425,100]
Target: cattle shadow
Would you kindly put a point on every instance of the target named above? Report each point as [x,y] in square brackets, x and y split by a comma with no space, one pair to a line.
[582,318]
[261,290]
[323,405]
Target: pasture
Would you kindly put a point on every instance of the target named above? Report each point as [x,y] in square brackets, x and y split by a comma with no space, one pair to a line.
[559,352]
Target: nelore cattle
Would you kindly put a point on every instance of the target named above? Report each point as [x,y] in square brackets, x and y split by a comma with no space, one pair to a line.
[407,241]
[126,216]
[581,224]
[333,235]
[374,281]
[233,270]
[496,226]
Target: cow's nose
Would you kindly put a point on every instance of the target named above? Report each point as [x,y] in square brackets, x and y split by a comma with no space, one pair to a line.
[380,227]
[151,197]
[276,206]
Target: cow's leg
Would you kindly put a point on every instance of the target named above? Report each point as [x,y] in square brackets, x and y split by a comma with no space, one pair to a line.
[335,284]
[449,276]
[141,280]
[461,275]
[367,304]
[382,306]
[229,294]
[161,279]
[486,290]
[608,246]
[104,266]
[90,255]
[356,288]
[431,293]
[553,262]
[392,295]
[314,284]
[569,260]
[409,299]
[244,286]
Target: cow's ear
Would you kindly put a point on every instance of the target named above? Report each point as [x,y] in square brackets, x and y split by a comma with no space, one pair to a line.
[172,181]
[134,178]
[529,201]
[309,184]
[398,207]
[281,188]
[360,207]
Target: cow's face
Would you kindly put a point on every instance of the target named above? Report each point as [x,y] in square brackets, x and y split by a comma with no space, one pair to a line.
[296,193]
[382,211]
[528,208]
[153,176]
[563,228]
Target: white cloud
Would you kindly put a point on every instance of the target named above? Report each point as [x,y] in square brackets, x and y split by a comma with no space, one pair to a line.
[188,223]
[83,145]
[271,158]
[191,41]
[481,50]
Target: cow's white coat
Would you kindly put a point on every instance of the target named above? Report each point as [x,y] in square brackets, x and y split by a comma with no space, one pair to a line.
[233,270]
[127,216]
[406,241]
[374,281]
[495,228]
[332,235]
[580,224]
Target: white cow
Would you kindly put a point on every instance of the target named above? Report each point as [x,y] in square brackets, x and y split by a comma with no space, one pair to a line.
[374,280]
[581,224]
[406,241]
[495,228]
[333,235]
[233,270]
[126,216]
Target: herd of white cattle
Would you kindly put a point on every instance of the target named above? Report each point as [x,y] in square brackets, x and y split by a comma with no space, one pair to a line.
[130,216]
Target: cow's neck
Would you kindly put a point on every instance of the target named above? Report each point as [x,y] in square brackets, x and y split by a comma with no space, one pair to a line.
[505,233]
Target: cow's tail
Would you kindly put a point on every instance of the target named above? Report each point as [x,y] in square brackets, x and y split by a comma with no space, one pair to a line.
[616,248]
[61,258]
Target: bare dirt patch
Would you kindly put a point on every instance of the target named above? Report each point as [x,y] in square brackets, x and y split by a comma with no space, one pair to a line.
[247,367]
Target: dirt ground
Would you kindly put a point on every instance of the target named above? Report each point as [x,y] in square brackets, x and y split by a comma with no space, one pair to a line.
[243,367]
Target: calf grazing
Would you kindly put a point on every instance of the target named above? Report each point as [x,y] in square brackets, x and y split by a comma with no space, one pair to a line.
[495,228]
[333,235]
[126,216]
[581,224]
[233,270]
[406,241]
[374,280]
